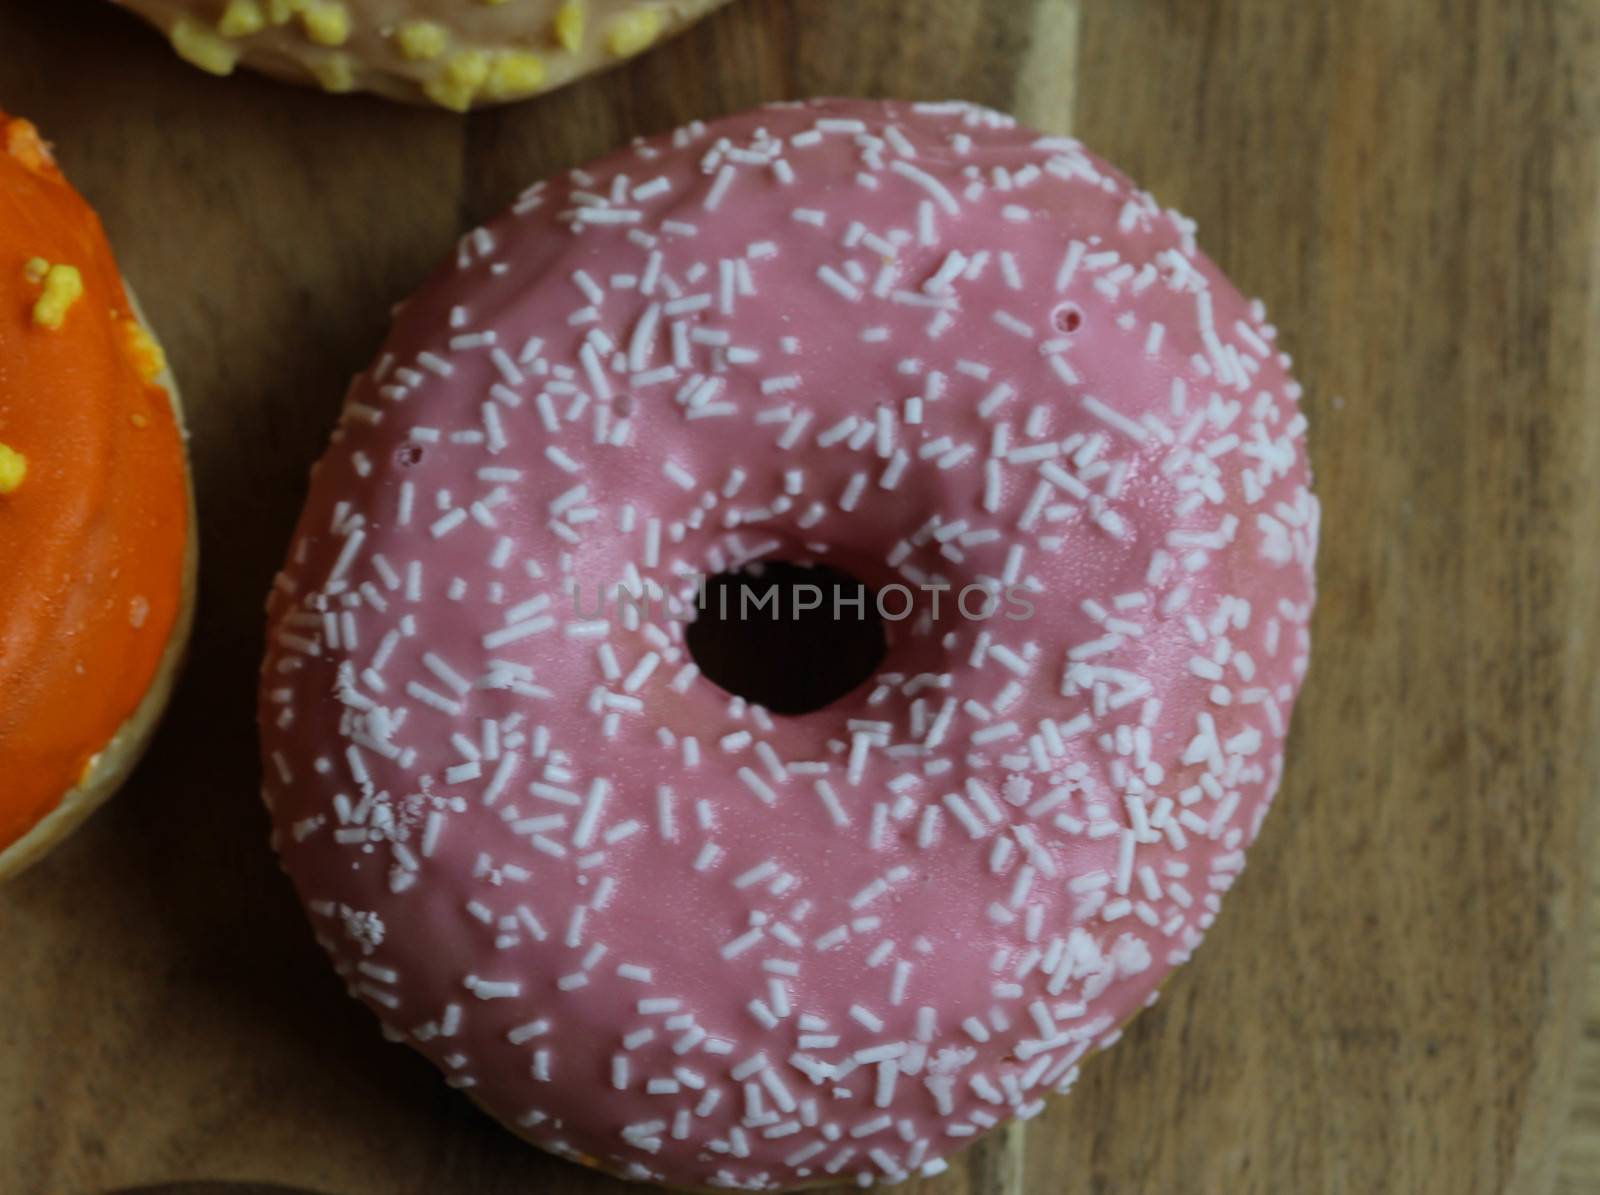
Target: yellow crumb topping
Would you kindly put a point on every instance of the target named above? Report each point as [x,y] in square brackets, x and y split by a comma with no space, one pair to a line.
[335,72]
[327,22]
[280,12]
[515,74]
[202,47]
[569,25]
[242,18]
[63,286]
[143,351]
[22,142]
[456,85]
[422,41]
[35,270]
[634,31]
[13,469]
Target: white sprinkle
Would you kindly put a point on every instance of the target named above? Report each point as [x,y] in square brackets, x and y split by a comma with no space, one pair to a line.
[963,814]
[1012,324]
[830,801]
[1135,431]
[1125,848]
[742,943]
[664,819]
[444,525]
[839,284]
[590,289]
[895,469]
[758,786]
[599,789]
[521,630]
[1069,265]
[867,1018]
[940,193]
[719,188]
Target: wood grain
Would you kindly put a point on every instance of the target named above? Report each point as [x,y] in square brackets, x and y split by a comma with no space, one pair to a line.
[1579,1162]
[1391,1002]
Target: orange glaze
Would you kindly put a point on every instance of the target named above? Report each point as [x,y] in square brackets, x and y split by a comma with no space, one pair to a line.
[92,542]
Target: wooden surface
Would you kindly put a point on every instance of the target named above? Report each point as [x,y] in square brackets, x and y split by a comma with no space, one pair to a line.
[1391,1002]
[1579,1172]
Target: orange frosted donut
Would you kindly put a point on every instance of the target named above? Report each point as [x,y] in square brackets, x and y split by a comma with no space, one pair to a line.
[458,54]
[96,528]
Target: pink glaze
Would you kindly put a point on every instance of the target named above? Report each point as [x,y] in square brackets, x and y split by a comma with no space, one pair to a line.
[673,959]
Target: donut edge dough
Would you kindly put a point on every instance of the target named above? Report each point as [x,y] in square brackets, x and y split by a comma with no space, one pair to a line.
[116,761]
[436,69]
[596,1166]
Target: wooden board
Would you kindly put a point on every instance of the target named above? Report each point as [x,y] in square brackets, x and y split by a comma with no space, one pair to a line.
[1391,1001]
[1579,1169]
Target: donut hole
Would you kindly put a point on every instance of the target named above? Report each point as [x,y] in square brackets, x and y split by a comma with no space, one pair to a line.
[1067,318]
[408,454]
[786,636]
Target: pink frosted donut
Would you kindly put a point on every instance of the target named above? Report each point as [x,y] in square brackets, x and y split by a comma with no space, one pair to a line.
[653,926]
